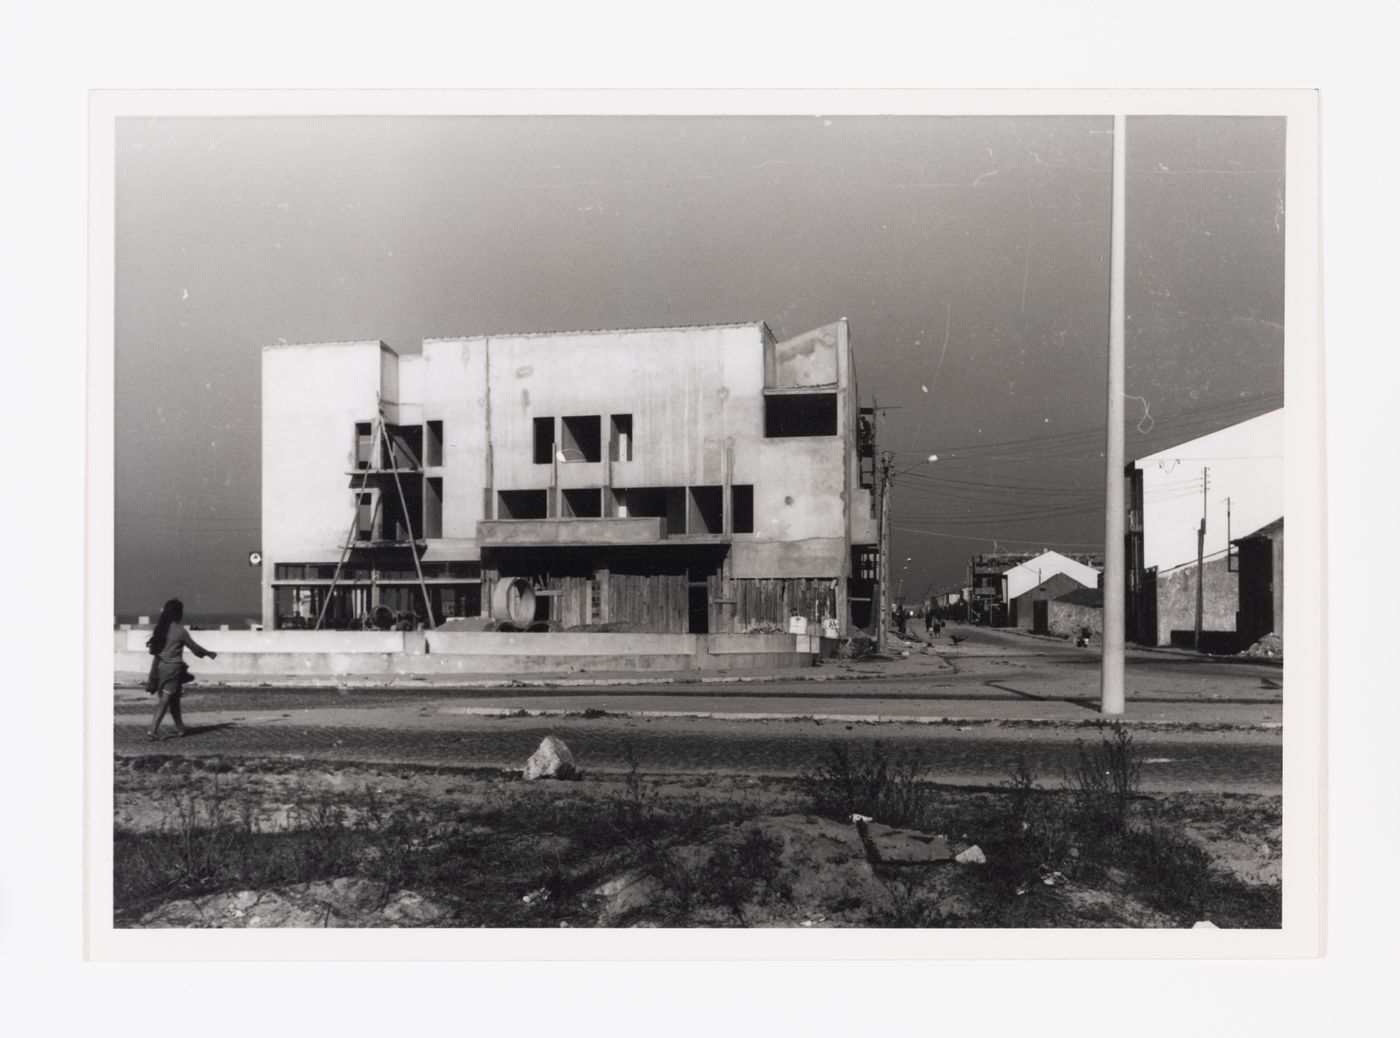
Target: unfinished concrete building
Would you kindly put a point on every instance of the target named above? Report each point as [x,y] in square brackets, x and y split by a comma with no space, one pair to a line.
[697,479]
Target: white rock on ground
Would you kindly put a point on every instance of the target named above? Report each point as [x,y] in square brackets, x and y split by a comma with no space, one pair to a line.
[551,760]
[972,856]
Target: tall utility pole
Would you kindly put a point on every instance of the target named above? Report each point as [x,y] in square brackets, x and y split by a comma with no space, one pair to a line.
[1111,697]
[1201,558]
[882,623]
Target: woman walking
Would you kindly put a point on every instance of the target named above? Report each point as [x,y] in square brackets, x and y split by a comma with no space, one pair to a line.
[168,645]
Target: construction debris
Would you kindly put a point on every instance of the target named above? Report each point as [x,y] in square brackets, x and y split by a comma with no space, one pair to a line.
[551,760]
[1271,645]
[972,856]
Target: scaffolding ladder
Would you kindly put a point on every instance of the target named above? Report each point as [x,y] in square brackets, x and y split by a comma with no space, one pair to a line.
[380,437]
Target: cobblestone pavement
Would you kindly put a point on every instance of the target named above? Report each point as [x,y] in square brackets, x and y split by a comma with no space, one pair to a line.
[1245,762]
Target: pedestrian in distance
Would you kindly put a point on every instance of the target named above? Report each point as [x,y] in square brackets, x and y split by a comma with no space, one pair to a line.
[167,645]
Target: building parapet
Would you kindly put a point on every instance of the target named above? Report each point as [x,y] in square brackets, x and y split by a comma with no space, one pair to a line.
[516,533]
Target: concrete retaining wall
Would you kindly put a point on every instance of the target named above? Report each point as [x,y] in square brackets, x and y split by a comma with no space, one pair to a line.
[251,655]
[281,641]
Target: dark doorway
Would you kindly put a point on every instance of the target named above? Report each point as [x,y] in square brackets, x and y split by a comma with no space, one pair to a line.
[699,611]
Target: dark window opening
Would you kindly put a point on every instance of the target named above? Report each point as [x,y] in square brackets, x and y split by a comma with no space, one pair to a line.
[581,438]
[620,443]
[432,508]
[706,510]
[865,432]
[406,444]
[657,502]
[865,562]
[799,414]
[544,441]
[397,514]
[862,610]
[741,507]
[522,504]
[366,517]
[586,503]
[304,571]
[432,446]
[364,444]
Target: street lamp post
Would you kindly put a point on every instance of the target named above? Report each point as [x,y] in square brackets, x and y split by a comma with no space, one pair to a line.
[1111,683]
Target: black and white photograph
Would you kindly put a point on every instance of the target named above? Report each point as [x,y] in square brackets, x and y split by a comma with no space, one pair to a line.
[755,518]
[803,519]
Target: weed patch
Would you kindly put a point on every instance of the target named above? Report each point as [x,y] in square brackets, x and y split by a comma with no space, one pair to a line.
[891,788]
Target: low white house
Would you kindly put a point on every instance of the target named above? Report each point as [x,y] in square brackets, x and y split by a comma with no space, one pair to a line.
[1019,579]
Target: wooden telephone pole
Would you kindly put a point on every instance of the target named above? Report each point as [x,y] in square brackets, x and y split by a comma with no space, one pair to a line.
[882,624]
[1201,559]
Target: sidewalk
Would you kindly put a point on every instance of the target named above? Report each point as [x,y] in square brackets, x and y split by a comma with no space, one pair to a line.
[918,663]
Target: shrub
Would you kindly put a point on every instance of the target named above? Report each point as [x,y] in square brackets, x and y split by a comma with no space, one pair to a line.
[737,874]
[890,788]
[1104,782]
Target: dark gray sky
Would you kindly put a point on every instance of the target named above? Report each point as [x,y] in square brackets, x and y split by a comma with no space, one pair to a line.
[968,253]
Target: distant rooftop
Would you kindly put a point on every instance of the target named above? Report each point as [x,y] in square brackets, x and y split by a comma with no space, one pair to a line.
[283,344]
[596,331]
[1269,530]
[1085,596]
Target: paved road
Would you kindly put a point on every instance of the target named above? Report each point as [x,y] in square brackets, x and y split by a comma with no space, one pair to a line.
[982,754]
[1211,725]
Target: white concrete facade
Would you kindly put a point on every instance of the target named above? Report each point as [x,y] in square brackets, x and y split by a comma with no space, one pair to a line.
[1246,474]
[535,442]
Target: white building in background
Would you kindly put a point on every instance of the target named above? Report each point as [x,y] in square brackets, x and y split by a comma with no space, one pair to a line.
[1021,578]
[1233,478]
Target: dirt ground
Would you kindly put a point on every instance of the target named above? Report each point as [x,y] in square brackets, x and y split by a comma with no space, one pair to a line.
[212,842]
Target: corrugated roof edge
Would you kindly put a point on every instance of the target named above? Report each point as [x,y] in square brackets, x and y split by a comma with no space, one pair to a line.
[598,331]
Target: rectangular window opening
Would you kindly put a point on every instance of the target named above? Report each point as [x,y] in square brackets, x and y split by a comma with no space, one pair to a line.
[366,517]
[706,510]
[522,504]
[799,414]
[741,507]
[364,444]
[583,503]
[667,503]
[432,447]
[432,508]
[406,443]
[620,442]
[400,519]
[581,438]
[544,441]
